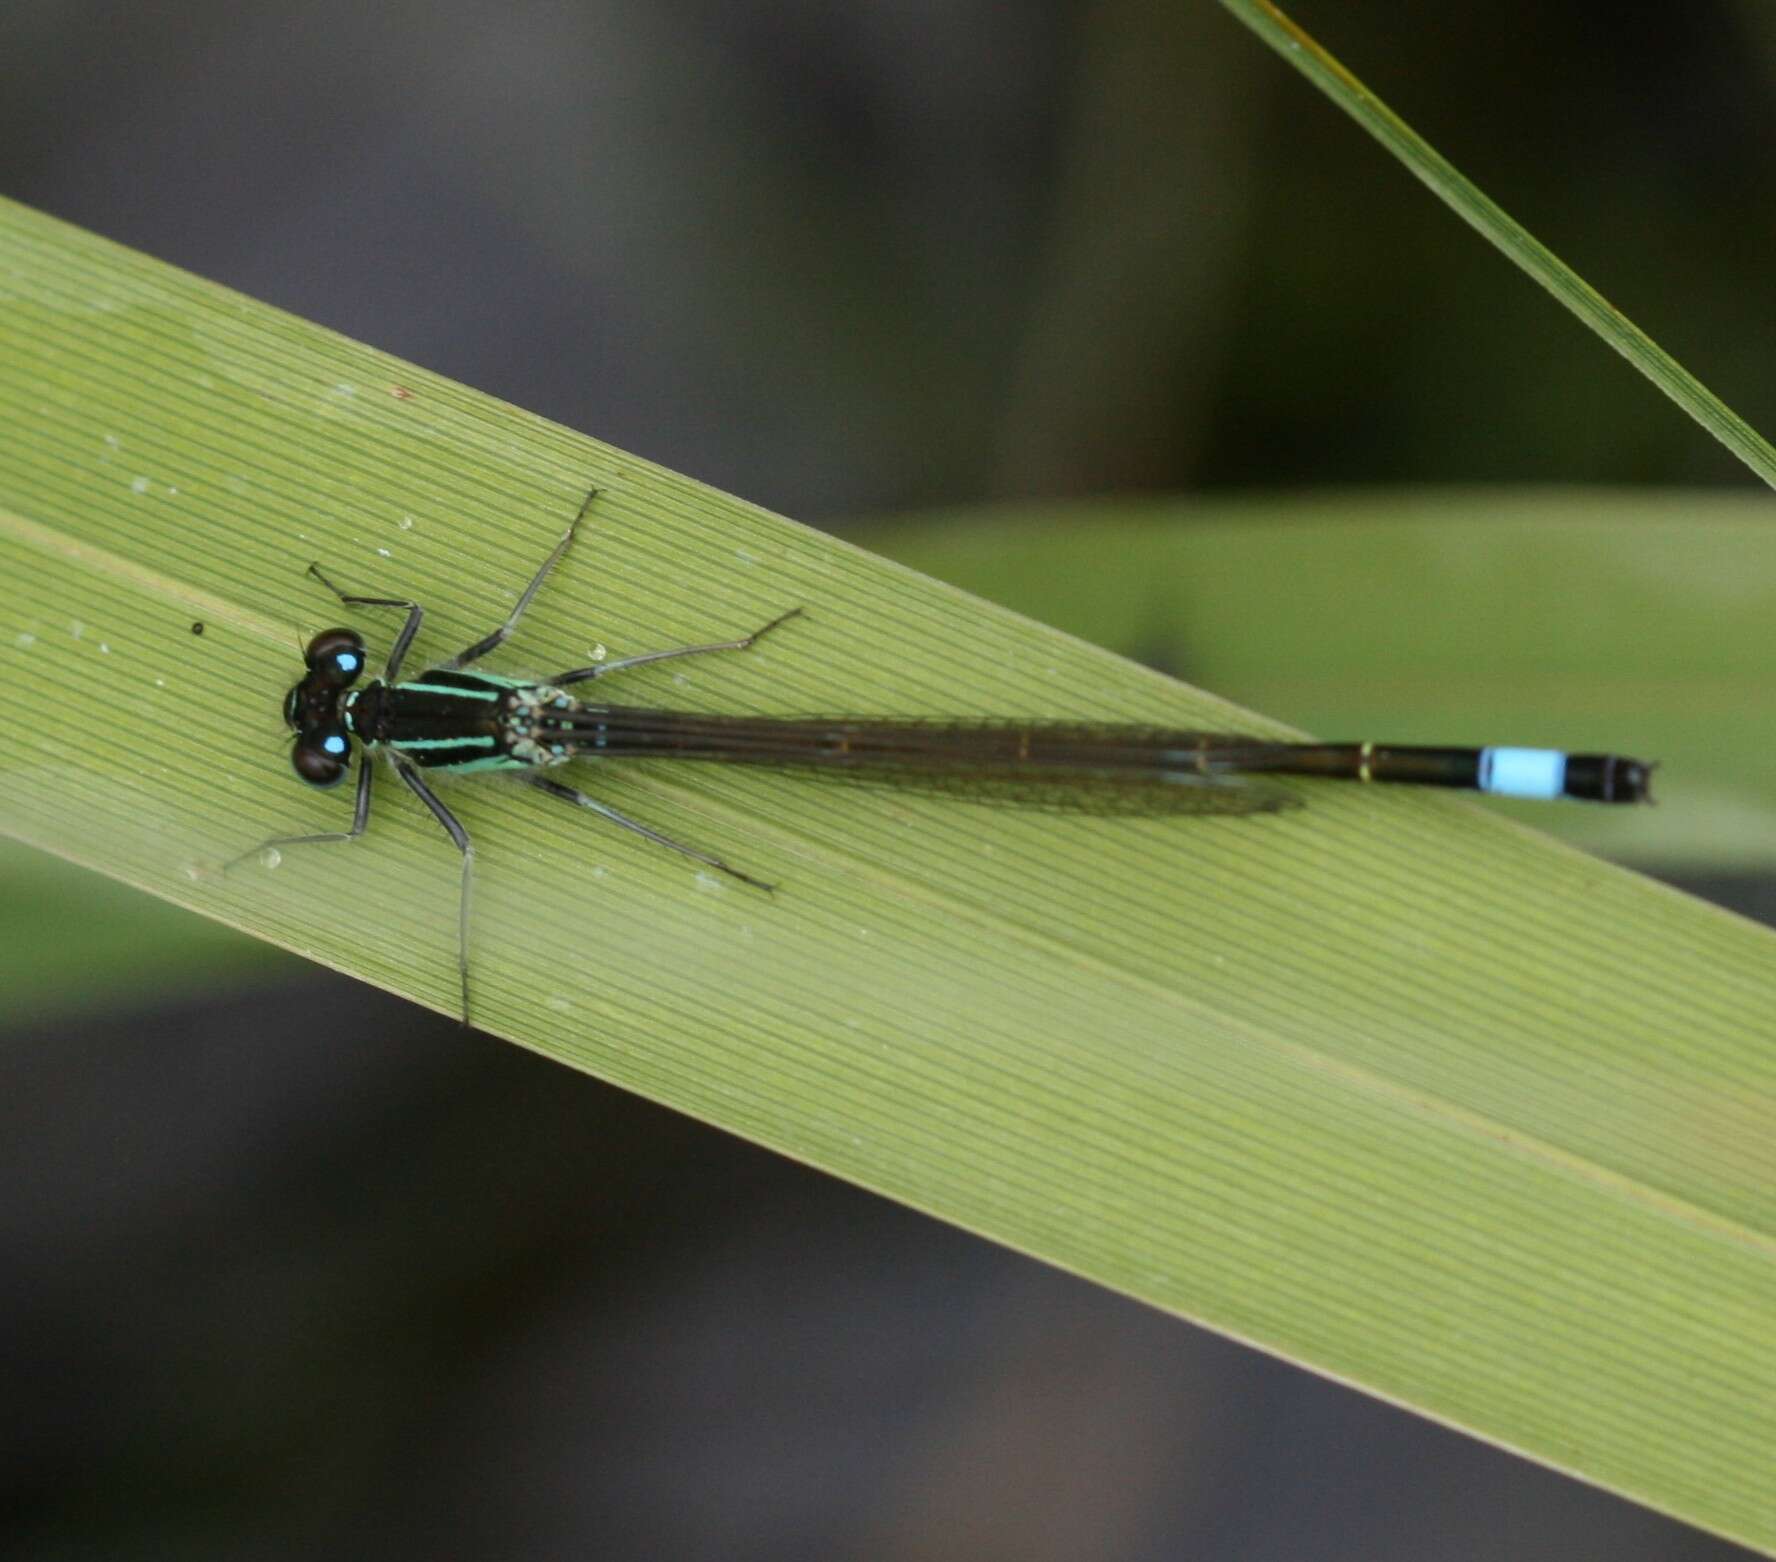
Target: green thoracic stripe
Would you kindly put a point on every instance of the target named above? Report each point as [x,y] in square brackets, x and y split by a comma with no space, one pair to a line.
[480,762]
[421,745]
[450,691]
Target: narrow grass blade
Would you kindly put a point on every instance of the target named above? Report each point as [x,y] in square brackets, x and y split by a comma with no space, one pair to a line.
[1505,233]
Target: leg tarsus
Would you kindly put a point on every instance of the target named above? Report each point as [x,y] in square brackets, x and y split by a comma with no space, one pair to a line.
[487,643]
[603,669]
[360,819]
[580,799]
[415,616]
[453,828]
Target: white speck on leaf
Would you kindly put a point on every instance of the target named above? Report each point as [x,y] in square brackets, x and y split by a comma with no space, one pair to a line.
[139,485]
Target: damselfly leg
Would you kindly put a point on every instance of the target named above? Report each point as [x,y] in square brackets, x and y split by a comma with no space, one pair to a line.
[622,664]
[482,646]
[573,795]
[453,828]
[360,818]
[415,617]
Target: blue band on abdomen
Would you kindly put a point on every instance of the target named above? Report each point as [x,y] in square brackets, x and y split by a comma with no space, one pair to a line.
[1523,772]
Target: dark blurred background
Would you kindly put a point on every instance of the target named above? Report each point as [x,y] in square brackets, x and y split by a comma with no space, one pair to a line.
[289,1268]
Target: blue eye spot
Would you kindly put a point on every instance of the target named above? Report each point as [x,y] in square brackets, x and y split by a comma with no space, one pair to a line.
[333,743]
[348,662]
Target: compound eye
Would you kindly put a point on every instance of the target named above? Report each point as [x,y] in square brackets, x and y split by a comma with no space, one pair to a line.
[336,657]
[321,757]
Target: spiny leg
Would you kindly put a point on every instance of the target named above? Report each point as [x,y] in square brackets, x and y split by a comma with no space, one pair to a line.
[415,616]
[461,836]
[569,794]
[601,669]
[482,646]
[360,818]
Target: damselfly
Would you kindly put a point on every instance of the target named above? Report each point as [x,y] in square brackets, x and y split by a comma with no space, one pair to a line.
[450,719]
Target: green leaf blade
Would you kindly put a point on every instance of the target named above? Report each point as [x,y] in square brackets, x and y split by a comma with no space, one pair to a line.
[1389,1086]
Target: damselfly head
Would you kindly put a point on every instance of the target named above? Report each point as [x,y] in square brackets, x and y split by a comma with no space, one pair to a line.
[322,754]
